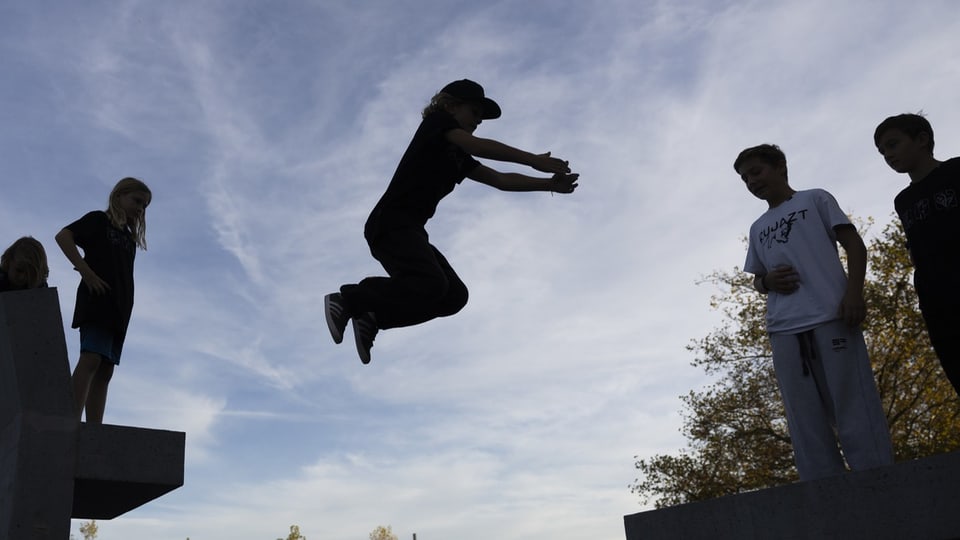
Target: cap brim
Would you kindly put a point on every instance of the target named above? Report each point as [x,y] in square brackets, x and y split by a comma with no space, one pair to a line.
[491,110]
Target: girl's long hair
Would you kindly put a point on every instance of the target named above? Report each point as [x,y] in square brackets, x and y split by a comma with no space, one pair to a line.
[117,216]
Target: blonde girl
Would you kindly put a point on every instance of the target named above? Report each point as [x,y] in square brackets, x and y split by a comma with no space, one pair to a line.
[109,240]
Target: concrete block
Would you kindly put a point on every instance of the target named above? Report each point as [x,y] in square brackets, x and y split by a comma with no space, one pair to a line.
[912,499]
[119,468]
[36,418]
[52,467]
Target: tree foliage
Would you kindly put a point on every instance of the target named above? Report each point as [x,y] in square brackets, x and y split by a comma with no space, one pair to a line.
[383,533]
[736,427]
[294,534]
[89,530]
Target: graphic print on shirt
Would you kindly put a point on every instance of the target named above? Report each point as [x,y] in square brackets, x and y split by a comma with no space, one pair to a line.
[943,201]
[946,199]
[779,232]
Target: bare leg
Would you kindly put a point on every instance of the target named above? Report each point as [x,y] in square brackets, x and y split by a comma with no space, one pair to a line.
[97,397]
[82,377]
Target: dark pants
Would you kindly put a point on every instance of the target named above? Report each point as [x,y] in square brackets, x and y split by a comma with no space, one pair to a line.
[943,326]
[421,286]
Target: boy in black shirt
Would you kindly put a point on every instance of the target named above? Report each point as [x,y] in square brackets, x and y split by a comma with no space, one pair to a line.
[929,209]
[422,284]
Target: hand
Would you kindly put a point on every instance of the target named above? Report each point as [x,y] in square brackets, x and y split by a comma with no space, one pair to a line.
[853,309]
[94,283]
[564,183]
[547,164]
[782,279]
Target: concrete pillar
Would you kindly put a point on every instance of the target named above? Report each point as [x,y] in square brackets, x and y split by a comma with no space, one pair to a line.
[38,427]
[52,466]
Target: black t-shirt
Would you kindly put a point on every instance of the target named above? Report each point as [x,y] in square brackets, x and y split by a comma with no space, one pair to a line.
[109,252]
[930,213]
[428,171]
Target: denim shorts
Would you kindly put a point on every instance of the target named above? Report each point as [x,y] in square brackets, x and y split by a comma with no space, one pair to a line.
[96,339]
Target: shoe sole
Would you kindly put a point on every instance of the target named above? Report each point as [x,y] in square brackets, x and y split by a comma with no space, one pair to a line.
[335,332]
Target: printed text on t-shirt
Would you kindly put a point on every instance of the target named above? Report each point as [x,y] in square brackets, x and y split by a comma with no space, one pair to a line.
[779,232]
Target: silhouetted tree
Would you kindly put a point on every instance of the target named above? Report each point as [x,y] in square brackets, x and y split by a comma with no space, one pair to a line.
[736,427]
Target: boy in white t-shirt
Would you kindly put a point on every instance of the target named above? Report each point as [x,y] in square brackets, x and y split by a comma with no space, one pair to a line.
[814,311]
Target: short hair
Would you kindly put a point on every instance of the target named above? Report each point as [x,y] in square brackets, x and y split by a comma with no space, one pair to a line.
[768,153]
[909,123]
[440,101]
[29,250]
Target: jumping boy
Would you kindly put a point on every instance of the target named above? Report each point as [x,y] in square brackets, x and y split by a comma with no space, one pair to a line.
[814,311]
[929,209]
[421,284]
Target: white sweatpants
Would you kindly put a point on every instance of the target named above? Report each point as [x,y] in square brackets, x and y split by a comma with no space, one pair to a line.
[829,392]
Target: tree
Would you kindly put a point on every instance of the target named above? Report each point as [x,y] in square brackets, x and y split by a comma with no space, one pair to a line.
[383,533]
[294,534]
[89,530]
[736,428]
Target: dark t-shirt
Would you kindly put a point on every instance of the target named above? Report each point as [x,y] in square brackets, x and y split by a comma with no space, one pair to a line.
[109,252]
[930,213]
[428,171]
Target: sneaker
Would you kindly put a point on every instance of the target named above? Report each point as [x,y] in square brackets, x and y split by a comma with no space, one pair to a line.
[336,314]
[364,331]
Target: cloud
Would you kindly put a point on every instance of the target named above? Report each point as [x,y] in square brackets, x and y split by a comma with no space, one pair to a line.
[267,134]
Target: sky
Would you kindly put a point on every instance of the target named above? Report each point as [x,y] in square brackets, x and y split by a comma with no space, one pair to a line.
[268,130]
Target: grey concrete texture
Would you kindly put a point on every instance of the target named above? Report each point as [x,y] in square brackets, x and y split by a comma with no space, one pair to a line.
[36,418]
[917,499]
[119,468]
[53,467]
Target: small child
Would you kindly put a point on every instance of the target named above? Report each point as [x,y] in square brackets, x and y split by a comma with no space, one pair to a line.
[422,284]
[813,315]
[105,295]
[929,209]
[24,265]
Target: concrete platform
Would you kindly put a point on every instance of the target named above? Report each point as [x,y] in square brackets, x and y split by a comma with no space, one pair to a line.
[52,466]
[119,468]
[915,500]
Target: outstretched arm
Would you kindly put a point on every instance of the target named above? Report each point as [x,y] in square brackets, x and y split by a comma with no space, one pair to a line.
[558,183]
[852,307]
[491,149]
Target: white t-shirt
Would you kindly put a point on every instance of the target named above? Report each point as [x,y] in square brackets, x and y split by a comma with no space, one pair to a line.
[800,233]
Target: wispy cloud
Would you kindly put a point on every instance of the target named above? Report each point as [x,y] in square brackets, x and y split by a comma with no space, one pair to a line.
[267,132]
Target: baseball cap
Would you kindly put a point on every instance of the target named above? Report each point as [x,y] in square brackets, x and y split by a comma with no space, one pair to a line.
[468,90]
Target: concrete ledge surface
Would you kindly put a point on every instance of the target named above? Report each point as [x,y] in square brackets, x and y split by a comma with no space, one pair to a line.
[917,499]
[120,468]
